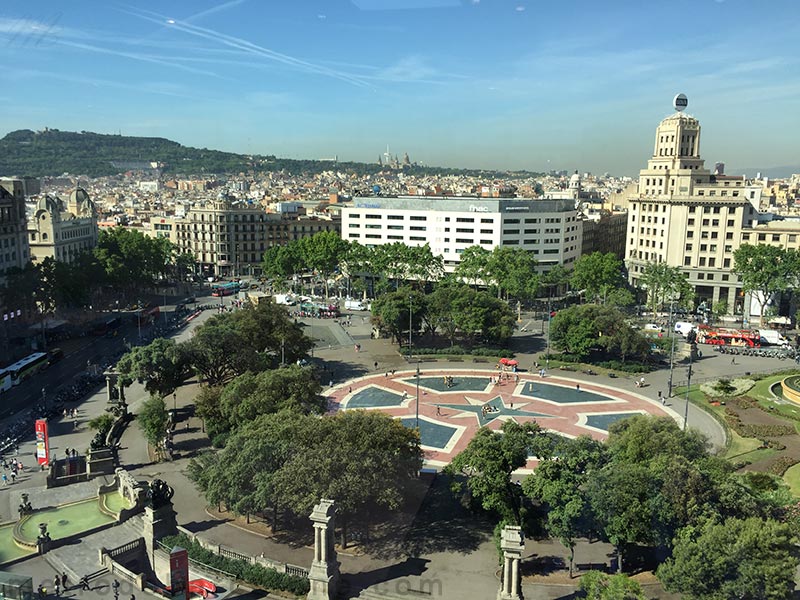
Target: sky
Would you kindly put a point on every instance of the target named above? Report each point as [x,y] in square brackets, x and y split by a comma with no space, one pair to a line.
[501,84]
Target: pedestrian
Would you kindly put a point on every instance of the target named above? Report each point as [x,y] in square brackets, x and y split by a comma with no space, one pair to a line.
[577,387]
[438,411]
[5,479]
[13,476]
[330,383]
[64,580]
[641,382]
[75,423]
[376,365]
[660,395]
[733,361]
[350,390]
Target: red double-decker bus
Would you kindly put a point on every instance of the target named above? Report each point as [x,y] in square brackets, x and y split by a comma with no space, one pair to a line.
[723,336]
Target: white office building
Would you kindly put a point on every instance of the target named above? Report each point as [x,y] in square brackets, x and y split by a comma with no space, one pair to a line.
[549,229]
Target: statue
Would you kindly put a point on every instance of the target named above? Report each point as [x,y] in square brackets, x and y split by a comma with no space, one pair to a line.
[159,493]
[25,507]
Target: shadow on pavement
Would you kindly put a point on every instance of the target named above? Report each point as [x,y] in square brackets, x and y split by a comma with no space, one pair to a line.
[442,524]
[353,583]
[199,526]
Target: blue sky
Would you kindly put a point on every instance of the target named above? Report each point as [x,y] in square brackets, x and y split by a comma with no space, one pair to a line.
[470,83]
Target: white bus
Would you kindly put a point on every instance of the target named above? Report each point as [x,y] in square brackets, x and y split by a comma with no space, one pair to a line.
[27,367]
[5,380]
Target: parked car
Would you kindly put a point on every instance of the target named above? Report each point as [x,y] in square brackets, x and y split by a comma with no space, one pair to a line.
[653,327]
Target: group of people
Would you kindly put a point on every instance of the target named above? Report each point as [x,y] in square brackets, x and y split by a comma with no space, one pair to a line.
[14,467]
[448,381]
[488,408]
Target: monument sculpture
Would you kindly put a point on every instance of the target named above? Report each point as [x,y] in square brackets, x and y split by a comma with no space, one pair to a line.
[324,573]
[512,543]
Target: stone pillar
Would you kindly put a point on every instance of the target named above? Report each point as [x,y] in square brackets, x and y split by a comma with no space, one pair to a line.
[324,573]
[109,385]
[158,522]
[512,543]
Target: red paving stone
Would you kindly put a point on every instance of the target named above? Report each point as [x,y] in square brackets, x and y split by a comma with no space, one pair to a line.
[566,418]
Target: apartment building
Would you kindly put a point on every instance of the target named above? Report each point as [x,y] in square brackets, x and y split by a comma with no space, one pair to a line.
[228,237]
[549,229]
[62,231]
[684,215]
[14,250]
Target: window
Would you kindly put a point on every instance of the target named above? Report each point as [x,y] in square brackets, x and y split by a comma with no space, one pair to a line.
[690,234]
[725,277]
[463,241]
[705,222]
[418,228]
[715,222]
[492,220]
[486,242]
[418,218]
[486,231]
[511,232]
[373,216]
[373,236]
[416,238]
[464,230]
[712,263]
[394,237]
[730,222]
[369,226]
[687,261]
[511,222]
[690,222]
[465,220]
[395,227]
[726,263]
[395,217]
[688,247]
[762,237]
[728,248]
[355,215]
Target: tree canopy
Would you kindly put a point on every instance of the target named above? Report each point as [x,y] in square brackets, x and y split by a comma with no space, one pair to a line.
[598,274]
[765,271]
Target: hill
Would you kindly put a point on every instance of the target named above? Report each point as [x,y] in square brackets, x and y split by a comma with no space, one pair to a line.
[53,152]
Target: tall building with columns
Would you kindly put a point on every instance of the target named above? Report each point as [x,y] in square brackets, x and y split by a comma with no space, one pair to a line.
[688,217]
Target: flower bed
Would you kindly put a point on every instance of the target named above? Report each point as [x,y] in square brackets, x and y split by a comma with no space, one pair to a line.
[725,387]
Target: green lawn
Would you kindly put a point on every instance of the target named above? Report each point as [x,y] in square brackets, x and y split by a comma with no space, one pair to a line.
[756,455]
[792,478]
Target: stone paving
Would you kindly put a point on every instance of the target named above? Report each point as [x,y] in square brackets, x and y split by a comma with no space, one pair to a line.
[453,403]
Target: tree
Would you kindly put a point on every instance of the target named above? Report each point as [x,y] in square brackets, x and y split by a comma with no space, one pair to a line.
[153,419]
[597,273]
[131,259]
[513,271]
[643,438]
[281,262]
[322,252]
[474,265]
[765,271]
[731,559]
[665,284]
[252,395]
[162,366]
[559,482]
[621,498]
[488,462]
[597,585]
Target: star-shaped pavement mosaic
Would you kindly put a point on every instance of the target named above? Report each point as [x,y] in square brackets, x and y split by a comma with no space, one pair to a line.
[497,410]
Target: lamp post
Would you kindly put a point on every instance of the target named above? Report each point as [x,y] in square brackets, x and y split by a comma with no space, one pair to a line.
[671,352]
[416,415]
[688,387]
[44,400]
[549,320]
[409,326]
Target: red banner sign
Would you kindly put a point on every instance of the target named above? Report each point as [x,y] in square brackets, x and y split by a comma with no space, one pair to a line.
[42,442]
[179,573]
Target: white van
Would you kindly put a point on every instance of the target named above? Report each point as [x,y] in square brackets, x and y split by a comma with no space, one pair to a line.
[355,305]
[683,327]
[653,328]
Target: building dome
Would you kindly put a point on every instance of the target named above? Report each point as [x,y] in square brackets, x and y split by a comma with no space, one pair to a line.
[78,196]
[575,181]
[50,204]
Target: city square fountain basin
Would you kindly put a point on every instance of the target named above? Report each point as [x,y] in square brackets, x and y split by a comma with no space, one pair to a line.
[10,551]
[68,520]
[790,387]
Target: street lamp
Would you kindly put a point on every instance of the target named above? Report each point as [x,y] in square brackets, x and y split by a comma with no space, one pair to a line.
[409,326]
[416,416]
[44,400]
[688,387]
[672,350]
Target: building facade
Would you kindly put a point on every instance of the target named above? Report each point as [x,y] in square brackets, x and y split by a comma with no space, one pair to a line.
[229,237]
[14,249]
[689,218]
[62,231]
[549,229]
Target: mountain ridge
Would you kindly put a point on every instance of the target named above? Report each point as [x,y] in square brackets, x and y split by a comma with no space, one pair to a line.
[51,152]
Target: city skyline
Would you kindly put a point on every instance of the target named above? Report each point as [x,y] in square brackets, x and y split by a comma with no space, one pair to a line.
[473,84]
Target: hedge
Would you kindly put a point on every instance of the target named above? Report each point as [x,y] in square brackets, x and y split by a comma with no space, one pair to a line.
[458,350]
[258,575]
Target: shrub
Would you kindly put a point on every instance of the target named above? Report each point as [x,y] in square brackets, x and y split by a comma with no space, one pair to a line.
[625,367]
[725,387]
[780,466]
[256,574]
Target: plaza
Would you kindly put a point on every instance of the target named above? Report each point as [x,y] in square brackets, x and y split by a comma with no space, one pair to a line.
[450,404]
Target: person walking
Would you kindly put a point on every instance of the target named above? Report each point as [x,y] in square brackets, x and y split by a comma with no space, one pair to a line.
[64,580]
